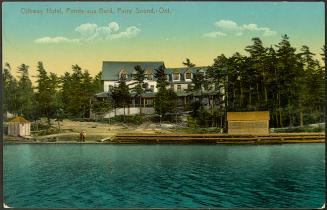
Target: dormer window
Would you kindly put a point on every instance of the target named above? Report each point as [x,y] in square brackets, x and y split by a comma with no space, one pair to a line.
[176,76]
[201,72]
[123,74]
[148,74]
[188,75]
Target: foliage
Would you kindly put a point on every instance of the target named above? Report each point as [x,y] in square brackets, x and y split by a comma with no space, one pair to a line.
[77,89]
[289,85]
[121,95]
[140,85]
[165,102]
[166,99]
[10,91]
[25,95]
[287,82]
[188,63]
[134,119]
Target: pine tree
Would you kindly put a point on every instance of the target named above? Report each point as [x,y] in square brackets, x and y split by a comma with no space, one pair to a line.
[188,63]
[25,94]
[140,86]
[10,91]
[165,100]
[121,95]
[44,95]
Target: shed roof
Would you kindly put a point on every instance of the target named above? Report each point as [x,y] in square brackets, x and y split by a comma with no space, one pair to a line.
[248,116]
[19,119]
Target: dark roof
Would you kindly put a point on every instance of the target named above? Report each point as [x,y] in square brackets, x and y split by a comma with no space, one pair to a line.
[182,70]
[111,69]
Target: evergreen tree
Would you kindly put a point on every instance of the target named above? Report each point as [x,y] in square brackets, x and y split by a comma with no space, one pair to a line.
[140,86]
[289,69]
[44,95]
[165,100]
[87,91]
[121,95]
[97,83]
[25,95]
[257,58]
[10,91]
[188,63]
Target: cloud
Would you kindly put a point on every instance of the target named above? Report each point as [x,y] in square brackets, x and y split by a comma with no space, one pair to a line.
[86,29]
[54,40]
[214,34]
[113,26]
[129,33]
[109,32]
[91,31]
[266,31]
[229,27]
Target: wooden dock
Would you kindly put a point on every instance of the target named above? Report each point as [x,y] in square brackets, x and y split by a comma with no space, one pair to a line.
[275,138]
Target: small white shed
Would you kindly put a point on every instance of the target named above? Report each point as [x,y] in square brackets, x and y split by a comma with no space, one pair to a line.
[19,126]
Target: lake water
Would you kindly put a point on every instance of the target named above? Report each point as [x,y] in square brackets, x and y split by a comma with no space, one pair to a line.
[164,176]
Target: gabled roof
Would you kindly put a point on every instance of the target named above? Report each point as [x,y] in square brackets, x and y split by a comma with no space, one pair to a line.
[111,69]
[19,119]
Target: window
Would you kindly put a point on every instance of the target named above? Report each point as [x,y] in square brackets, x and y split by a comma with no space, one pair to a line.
[111,87]
[175,76]
[171,87]
[188,75]
[179,88]
[148,77]
[123,76]
[149,101]
[152,87]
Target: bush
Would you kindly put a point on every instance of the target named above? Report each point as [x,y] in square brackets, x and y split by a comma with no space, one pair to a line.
[300,129]
[39,126]
[134,119]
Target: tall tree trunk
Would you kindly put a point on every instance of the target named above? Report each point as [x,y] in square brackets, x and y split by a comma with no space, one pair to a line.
[280,111]
[280,118]
[266,95]
[140,103]
[290,113]
[241,98]
[301,118]
[59,125]
[124,112]
[258,94]
[276,118]
[250,97]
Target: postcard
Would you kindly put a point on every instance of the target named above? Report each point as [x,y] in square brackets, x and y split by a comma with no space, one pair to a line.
[163,104]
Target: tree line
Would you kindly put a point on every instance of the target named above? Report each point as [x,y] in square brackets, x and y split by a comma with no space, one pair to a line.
[290,84]
[52,96]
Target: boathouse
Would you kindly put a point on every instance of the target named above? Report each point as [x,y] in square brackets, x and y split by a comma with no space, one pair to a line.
[248,122]
[19,126]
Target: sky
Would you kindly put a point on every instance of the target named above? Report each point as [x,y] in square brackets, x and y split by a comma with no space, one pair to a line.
[62,34]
